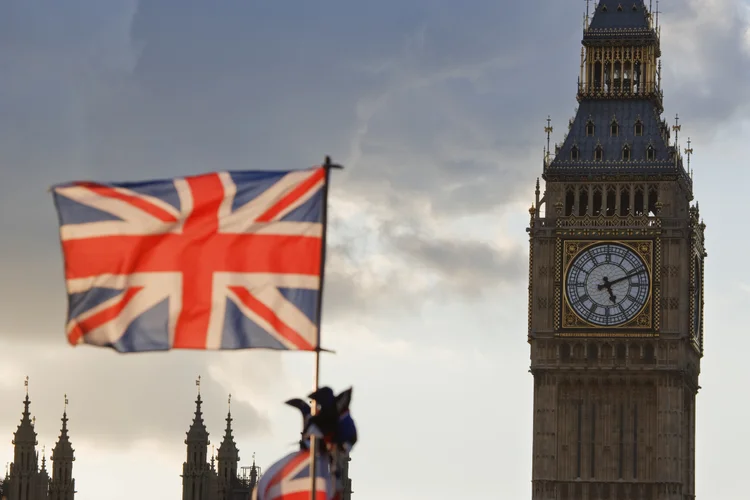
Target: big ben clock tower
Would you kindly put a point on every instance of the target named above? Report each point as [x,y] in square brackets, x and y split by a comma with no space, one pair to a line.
[615,283]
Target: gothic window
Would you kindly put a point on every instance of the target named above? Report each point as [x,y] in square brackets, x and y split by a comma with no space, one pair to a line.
[648,354]
[589,128]
[570,200]
[574,153]
[598,75]
[625,200]
[621,450]
[580,440]
[618,72]
[626,153]
[583,201]
[653,196]
[626,72]
[638,128]
[565,353]
[592,459]
[614,129]
[635,440]
[592,352]
[650,153]
[637,77]
[598,153]
[620,352]
[597,206]
[611,201]
[638,200]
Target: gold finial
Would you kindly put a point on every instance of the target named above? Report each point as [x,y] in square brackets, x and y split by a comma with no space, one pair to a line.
[26,385]
[253,458]
[229,402]
[65,408]
[689,153]
[548,129]
[33,420]
[676,127]
[198,384]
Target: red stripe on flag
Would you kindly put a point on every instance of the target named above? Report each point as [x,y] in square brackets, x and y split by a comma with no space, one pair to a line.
[92,322]
[135,201]
[267,314]
[292,196]
[289,467]
[235,253]
[304,495]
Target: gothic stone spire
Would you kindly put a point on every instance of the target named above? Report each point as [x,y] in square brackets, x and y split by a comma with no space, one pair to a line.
[228,453]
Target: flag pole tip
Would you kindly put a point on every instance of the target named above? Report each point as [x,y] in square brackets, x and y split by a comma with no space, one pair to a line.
[327,163]
[320,349]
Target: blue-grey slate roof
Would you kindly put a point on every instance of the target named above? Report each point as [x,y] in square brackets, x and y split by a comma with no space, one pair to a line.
[633,15]
[626,112]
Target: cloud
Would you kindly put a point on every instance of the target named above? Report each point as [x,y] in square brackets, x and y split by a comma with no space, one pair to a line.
[120,400]
[707,63]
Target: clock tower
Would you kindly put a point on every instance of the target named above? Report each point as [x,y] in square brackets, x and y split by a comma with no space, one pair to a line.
[615,282]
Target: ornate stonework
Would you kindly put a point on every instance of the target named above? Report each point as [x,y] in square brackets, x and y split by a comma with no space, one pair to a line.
[614,405]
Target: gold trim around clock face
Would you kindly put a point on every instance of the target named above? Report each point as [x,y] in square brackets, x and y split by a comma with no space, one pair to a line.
[642,321]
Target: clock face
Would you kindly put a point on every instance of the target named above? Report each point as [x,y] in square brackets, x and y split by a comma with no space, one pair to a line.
[607,284]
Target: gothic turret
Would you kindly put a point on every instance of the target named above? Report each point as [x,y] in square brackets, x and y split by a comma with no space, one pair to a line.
[62,486]
[24,469]
[195,470]
[43,482]
[618,127]
[228,459]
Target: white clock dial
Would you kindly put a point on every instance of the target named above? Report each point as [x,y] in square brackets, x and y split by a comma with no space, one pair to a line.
[607,284]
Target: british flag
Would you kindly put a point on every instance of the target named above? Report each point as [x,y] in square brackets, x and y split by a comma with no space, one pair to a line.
[224,260]
[289,479]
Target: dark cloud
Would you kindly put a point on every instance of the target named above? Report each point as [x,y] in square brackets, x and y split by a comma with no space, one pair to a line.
[471,267]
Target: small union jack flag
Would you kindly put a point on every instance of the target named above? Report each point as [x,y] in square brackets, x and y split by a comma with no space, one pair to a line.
[225,260]
[289,479]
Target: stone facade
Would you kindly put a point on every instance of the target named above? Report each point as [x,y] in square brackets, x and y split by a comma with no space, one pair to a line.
[614,403]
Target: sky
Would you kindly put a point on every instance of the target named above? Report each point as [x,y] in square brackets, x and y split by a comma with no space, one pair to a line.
[436,109]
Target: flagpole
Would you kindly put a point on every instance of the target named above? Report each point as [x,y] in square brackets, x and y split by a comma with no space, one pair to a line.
[327,165]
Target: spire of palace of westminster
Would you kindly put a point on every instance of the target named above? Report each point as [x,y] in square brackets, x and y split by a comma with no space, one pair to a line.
[229,457]
[24,479]
[62,486]
[616,271]
[197,480]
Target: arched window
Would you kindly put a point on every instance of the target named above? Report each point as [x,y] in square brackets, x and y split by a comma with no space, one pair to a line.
[626,153]
[574,153]
[590,128]
[614,129]
[598,153]
[650,152]
[638,128]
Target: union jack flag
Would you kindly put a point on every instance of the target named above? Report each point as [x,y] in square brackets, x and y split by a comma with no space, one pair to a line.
[289,479]
[225,260]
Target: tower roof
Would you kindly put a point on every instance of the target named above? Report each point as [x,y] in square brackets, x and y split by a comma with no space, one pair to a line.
[620,14]
[197,432]
[228,449]
[63,449]
[620,20]
[25,434]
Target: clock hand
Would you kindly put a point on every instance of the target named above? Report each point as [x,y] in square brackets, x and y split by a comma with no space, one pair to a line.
[623,278]
[608,286]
